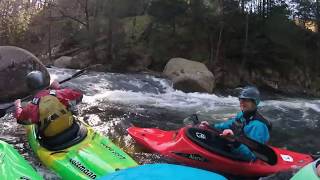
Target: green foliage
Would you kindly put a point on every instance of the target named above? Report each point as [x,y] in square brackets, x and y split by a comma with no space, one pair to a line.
[134,27]
[304,9]
[14,21]
[258,33]
[164,11]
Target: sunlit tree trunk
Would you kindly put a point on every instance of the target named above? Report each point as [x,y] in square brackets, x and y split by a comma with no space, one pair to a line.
[242,5]
[318,15]
[245,47]
[110,30]
[49,32]
[263,8]
[221,29]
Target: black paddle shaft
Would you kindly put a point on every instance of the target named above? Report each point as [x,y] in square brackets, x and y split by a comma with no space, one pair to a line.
[261,151]
[3,111]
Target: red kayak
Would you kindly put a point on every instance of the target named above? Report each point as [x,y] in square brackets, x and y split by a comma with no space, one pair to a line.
[185,146]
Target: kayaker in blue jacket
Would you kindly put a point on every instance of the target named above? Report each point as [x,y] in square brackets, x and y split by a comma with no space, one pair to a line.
[248,121]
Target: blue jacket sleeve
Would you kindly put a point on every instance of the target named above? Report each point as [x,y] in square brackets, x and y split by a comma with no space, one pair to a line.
[224,125]
[227,124]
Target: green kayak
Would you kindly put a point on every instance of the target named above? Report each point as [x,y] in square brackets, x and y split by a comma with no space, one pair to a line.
[307,173]
[14,166]
[92,157]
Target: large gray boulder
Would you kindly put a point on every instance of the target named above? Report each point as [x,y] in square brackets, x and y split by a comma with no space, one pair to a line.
[79,61]
[189,76]
[63,62]
[15,64]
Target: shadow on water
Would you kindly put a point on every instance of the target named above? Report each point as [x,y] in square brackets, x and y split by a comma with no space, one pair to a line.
[286,133]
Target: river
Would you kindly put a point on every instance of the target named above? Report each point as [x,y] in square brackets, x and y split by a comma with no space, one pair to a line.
[113,102]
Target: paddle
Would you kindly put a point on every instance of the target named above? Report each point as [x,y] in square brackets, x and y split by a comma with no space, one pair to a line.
[315,156]
[261,151]
[3,111]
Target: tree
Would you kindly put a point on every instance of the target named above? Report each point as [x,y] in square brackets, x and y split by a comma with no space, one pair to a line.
[166,11]
[316,9]
[14,19]
[217,59]
[304,10]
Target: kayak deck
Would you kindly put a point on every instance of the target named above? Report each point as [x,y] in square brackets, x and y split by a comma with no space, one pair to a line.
[93,157]
[163,172]
[307,173]
[14,166]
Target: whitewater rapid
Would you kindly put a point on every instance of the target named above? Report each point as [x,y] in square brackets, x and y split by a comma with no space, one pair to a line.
[112,102]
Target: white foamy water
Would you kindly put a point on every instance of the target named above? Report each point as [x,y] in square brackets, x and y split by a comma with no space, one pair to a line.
[135,92]
[147,90]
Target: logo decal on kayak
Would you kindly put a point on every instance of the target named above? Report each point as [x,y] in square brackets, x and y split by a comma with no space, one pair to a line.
[114,152]
[24,178]
[286,158]
[83,169]
[195,157]
[201,135]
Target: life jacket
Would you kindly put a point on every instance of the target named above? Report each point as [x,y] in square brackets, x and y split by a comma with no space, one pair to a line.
[239,125]
[53,115]
[262,119]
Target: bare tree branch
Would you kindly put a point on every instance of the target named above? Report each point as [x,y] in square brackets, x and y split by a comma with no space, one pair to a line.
[69,16]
